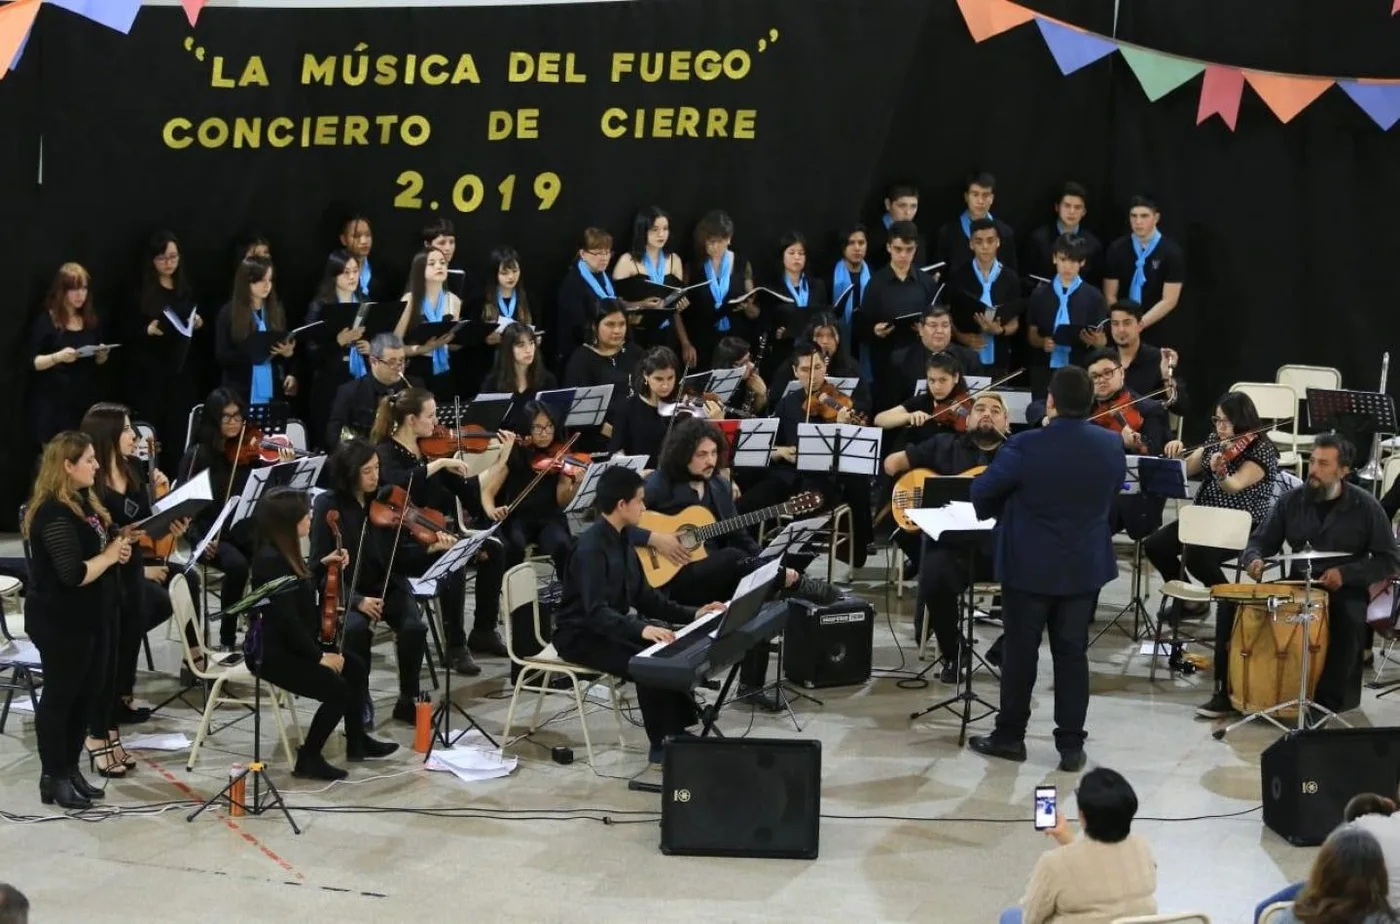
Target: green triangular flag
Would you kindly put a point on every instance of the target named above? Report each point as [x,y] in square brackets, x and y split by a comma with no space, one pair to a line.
[1159,74]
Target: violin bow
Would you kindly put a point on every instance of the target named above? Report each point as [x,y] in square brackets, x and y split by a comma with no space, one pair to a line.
[1186,451]
[232,473]
[539,476]
[1113,410]
[355,580]
[680,394]
[398,534]
[974,395]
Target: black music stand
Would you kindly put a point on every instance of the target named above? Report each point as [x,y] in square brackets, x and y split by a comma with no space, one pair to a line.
[269,418]
[586,406]
[753,445]
[487,414]
[1358,415]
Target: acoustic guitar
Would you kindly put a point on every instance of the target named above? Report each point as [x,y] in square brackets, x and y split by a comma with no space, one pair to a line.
[909,493]
[696,524]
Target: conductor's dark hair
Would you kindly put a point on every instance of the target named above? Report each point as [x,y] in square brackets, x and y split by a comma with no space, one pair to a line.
[1238,408]
[276,518]
[343,467]
[944,361]
[1127,306]
[615,486]
[1143,202]
[686,437]
[804,348]
[729,351]
[211,414]
[904,231]
[983,179]
[980,224]
[1070,246]
[1072,188]
[1346,453]
[901,190]
[1072,391]
[1106,801]
[14,907]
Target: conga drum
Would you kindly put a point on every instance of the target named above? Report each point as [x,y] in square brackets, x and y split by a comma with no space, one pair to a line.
[1266,655]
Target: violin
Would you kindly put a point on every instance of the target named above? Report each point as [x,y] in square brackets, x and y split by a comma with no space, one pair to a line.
[1119,413]
[253,446]
[557,458]
[953,410]
[332,604]
[155,549]
[396,510]
[446,442]
[1238,445]
[827,402]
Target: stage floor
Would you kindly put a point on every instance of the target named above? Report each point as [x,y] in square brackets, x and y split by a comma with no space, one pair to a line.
[918,829]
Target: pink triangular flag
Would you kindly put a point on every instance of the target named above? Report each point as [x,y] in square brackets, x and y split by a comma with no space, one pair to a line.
[1395,8]
[988,18]
[1287,94]
[192,8]
[1220,95]
[15,21]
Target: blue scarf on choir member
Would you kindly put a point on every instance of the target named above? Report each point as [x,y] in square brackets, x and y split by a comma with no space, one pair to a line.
[801,294]
[988,354]
[657,274]
[841,281]
[602,290]
[1140,270]
[966,220]
[433,311]
[1060,356]
[365,276]
[504,307]
[719,285]
[358,369]
[887,219]
[261,390]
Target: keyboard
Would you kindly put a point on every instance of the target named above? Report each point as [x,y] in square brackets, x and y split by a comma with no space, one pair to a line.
[696,656]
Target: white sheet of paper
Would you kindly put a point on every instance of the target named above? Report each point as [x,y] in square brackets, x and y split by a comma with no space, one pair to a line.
[472,759]
[185,326]
[177,741]
[860,448]
[296,330]
[198,551]
[957,516]
[197,488]
[85,351]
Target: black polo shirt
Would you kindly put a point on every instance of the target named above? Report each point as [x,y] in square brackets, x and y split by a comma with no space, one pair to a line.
[955,250]
[1039,255]
[1166,263]
[1086,306]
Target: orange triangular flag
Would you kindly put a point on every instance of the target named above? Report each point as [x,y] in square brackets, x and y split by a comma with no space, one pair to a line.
[15,21]
[1287,94]
[986,18]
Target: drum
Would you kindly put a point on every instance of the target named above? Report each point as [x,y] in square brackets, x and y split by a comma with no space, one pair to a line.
[1266,649]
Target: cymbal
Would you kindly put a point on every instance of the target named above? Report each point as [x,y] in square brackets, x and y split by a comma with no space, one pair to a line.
[1305,555]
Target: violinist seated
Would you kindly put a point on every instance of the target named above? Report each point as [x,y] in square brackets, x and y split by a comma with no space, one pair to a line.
[1239,469]
[437,485]
[816,401]
[357,401]
[532,512]
[1146,368]
[221,447]
[935,331]
[286,652]
[644,418]
[750,397]
[825,331]
[949,453]
[943,407]
[375,585]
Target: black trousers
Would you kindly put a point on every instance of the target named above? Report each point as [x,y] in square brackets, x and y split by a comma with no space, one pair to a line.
[70,654]
[550,533]
[1025,617]
[942,580]
[235,548]
[713,579]
[1339,685]
[1166,553]
[452,596]
[410,637]
[664,712]
[103,676]
[340,695]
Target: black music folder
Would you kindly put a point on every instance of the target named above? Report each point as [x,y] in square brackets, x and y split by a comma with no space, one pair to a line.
[376,318]
[429,330]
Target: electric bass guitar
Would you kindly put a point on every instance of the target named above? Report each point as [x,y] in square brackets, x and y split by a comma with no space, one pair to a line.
[696,524]
[909,493]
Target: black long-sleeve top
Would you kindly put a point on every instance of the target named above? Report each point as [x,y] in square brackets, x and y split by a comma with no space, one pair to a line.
[197,459]
[60,395]
[604,582]
[1354,523]
[1144,376]
[126,509]
[60,543]
[575,305]
[440,492]
[291,621]
[886,298]
[949,453]
[953,247]
[369,562]
[355,405]
[237,358]
[589,367]
[910,365]
[671,497]
[638,429]
[1039,256]
[516,418]
[791,412]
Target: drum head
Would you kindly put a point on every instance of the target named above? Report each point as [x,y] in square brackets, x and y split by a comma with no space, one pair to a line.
[1250,593]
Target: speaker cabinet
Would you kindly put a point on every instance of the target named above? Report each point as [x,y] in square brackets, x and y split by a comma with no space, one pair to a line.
[828,646]
[741,797]
[1308,777]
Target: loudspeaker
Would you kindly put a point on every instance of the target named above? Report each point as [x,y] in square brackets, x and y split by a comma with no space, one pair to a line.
[828,646]
[1308,777]
[741,797]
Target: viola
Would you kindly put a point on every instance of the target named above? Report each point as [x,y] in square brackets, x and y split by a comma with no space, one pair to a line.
[256,447]
[952,411]
[332,605]
[827,402]
[396,510]
[557,458]
[155,549]
[445,442]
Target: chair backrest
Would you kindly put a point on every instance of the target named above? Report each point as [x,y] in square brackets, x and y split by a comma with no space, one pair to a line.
[193,424]
[1218,527]
[1303,377]
[1170,917]
[186,620]
[1272,400]
[518,588]
[296,432]
[1389,473]
[1274,913]
[145,436]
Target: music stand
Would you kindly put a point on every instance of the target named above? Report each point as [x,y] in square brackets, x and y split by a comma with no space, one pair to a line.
[841,449]
[487,412]
[454,559]
[583,407]
[722,383]
[587,491]
[269,418]
[845,384]
[794,537]
[1356,415]
[753,445]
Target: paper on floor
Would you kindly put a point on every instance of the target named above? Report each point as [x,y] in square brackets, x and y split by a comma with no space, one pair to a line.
[472,759]
[178,741]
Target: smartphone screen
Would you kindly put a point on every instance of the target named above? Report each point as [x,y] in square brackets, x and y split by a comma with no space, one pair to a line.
[1044,808]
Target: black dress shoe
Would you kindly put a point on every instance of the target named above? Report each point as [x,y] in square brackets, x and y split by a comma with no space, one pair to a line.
[82,786]
[406,710]
[54,790]
[368,748]
[462,662]
[123,714]
[314,767]
[989,746]
[487,643]
[1073,761]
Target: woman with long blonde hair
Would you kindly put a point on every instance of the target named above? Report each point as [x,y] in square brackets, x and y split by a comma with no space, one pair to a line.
[64,383]
[70,610]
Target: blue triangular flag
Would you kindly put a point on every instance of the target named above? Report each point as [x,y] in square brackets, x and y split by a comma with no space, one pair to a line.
[1380,101]
[1073,49]
[114,14]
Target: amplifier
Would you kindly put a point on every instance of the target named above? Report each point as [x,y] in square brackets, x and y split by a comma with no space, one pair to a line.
[828,646]
[1309,777]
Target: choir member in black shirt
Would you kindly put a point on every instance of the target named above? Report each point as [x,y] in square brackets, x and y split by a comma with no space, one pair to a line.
[943,569]
[356,402]
[604,360]
[333,358]
[849,281]
[161,370]
[518,372]
[650,257]
[986,300]
[287,651]
[357,239]
[1148,268]
[438,484]
[935,330]
[901,204]
[730,276]
[428,300]
[639,425]
[376,583]
[978,193]
[70,607]
[823,330]
[584,287]
[1070,209]
[920,413]
[1067,300]
[808,293]
[440,234]
[750,398]
[259,373]
[1146,368]
[538,517]
[506,301]
[898,295]
[64,385]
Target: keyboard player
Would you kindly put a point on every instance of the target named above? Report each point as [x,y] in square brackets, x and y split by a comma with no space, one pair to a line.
[595,626]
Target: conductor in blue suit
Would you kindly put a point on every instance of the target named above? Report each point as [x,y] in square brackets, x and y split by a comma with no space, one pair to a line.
[1050,490]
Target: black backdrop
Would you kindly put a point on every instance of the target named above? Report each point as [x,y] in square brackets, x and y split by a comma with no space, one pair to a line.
[1288,228]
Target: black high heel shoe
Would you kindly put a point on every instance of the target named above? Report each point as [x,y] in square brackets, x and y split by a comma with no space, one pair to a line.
[82,786]
[52,789]
[110,768]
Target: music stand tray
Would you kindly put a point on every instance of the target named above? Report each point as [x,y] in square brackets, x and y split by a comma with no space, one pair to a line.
[844,449]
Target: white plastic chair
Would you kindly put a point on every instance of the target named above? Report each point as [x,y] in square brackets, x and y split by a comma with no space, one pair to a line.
[1389,473]
[296,432]
[1276,402]
[1171,917]
[1302,377]
[519,589]
[1274,913]
[191,423]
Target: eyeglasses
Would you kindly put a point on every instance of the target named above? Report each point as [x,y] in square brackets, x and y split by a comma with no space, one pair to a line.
[599,253]
[167,258]
[230,418]
[391,363]
[1104,375]
[1217,421]
[542,428]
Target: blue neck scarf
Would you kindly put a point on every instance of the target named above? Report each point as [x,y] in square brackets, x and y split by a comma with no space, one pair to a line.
[365,275]
[1140,271]
[1060,227]
[988,354]
[801,294]
[261,390]
[966,220]
[358,369]
[840,282]
[506,308]
[888,220]
[656,273]
[433,311]
[602,289]
[719,285]
[1060,357]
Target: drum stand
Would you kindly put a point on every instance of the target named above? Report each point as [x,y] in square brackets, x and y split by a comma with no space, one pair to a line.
[1305,618]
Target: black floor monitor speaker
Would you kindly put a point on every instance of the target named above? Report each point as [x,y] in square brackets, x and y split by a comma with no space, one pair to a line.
[741,797]
[829,646]
[1308,778]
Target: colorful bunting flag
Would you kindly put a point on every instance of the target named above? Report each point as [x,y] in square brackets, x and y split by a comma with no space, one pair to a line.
[192,8]
[1287,94]
[1073,48]
[987,18]
[114,14]
[1220,95]
[1396,8]
[1158,73]
[16,19]
[1380,101]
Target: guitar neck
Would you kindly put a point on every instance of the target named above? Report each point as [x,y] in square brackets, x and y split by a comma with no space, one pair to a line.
[740,522]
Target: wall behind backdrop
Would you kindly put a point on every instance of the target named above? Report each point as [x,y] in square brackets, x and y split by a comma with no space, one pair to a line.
[526,123]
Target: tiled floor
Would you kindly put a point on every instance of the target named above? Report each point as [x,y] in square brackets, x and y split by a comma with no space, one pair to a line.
[915,829]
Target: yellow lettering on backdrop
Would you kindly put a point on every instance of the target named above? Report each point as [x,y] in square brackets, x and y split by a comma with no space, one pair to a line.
[177,142]
[356,130]
[314,71]
[278,132]
[547,67]
[216,76]
[523,123]
[679,122]
[680,66]
[433,70]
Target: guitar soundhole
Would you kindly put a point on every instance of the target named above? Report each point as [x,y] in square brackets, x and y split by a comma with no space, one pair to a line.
[688,540]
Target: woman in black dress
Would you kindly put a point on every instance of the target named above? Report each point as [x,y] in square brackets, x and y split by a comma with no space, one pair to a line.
[506,303]
[639,426]
[260,374]
[161,368]
[651,258]
[518,372]
[729,276]
[283,646]
[605,360]
[70,609]
[64,384]
[331,363]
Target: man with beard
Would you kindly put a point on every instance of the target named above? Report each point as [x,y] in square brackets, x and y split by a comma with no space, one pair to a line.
[1331,515]
[943,571]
